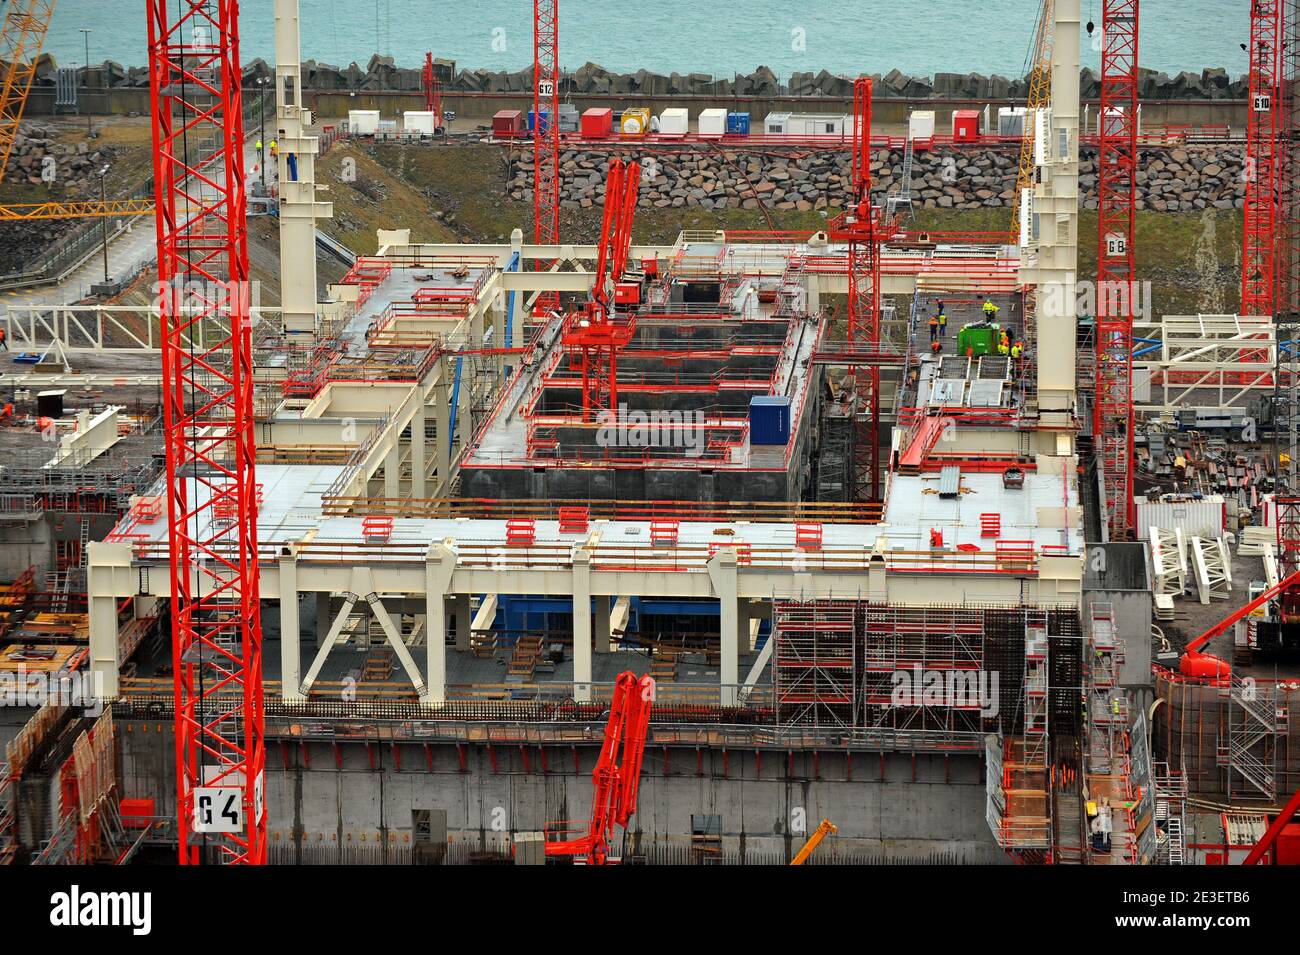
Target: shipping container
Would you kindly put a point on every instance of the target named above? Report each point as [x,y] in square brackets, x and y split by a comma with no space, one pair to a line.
[816,124]
[965,125]
[713,122]
[920,125]
[635,122]
[419,122]
[738,124]
[508,122]
[363,122]
[532,121]
[1200,517]
[1011,121]
[769,420]
[777,124]
[597,123]
[675,122]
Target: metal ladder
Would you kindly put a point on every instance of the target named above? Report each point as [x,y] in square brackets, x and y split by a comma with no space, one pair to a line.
[903,197]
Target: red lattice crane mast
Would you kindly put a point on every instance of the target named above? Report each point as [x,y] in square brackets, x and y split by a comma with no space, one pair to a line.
[1113,421]
[595,334]
[1259,256]
[432,90]
[860,228]
[198,135]
[617,775]
[546,137]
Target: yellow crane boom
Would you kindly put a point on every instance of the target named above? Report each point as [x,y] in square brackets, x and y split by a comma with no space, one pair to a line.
[21,39]
[821,832]
[90,208]
[1040,97]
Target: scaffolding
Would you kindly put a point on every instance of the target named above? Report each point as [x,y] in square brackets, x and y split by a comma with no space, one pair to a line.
[816,663]
[1248,748]
[1170,815]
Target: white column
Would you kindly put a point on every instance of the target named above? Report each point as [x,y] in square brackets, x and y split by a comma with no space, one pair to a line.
[581,625]
[290,629]
[439,566]
[722,574]
[299,209]
[105,565]
[323,616]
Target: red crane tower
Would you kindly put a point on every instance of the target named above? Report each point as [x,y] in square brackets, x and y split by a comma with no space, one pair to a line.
[198,135]
[1116,289]
[617,775]
[859,226]
[594,335]
[546,136]
[1259,257]
[432,91]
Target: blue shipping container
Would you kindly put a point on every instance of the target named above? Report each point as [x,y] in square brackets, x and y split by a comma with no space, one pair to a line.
[738,123]
[532,120]
[769,419]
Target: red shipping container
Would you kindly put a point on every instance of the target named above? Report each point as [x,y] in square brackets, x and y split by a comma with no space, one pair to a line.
[597,123]
[966,125]
[1288,845]
[136,813]
[508,122]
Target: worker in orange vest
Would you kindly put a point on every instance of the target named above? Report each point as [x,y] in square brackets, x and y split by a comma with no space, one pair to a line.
[934,327]
[3,344]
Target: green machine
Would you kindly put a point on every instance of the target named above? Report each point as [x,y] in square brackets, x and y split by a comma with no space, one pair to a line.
[980,338]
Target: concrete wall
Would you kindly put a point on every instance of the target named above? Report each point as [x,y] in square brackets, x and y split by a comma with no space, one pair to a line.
[898,808]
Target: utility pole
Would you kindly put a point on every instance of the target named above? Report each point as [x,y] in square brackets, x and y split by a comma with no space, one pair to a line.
[103,198]
[85,33]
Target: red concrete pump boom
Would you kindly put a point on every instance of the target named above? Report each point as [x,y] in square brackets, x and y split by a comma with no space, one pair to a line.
[1197,664]
[617,776]
[592,336]
[1284,817]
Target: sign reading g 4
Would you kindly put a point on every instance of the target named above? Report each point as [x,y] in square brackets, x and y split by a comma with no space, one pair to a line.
[219,809]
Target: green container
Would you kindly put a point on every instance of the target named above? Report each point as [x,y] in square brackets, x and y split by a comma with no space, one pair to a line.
[980,339]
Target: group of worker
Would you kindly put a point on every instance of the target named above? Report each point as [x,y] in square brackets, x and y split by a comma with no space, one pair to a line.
[938,323]
[938,327]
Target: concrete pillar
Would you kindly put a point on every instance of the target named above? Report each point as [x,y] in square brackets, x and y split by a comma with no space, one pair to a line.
[392,469]
[323,617]
[460,607]
[442,417]
[290,630]
[439,566]
[604,639]
[419,465]
[722,574]
[107,567]
[582,625]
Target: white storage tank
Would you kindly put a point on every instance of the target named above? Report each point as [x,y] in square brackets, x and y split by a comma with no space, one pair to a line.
[419,122]
[675,122]
[713,122]
[920,124]
[363,122]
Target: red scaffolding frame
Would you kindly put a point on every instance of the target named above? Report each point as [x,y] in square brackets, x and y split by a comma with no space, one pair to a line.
[1113,421]
[198,136]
